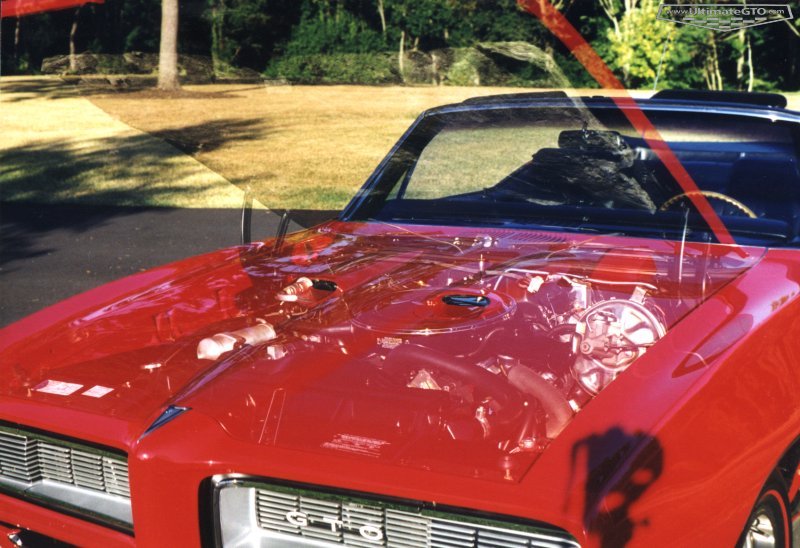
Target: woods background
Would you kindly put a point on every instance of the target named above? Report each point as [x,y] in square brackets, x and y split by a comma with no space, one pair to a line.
[382,41]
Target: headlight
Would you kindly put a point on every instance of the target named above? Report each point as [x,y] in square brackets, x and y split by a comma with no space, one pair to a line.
[68,476]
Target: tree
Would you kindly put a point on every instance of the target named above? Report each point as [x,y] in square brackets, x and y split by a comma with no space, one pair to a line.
[423,23]
[332,28]
[73,61]
[638,42]
[744,58]
[244,32]
[168,50]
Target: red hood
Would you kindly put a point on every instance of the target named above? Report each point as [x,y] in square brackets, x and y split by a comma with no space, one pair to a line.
[460,350]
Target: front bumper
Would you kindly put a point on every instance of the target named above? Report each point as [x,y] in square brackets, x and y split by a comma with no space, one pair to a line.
[18,514]
[172,492]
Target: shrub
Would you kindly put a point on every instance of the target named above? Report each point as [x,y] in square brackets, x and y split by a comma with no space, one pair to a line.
[343,33]
[339,68]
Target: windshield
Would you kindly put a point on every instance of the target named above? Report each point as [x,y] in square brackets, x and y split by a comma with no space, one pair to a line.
[584,168]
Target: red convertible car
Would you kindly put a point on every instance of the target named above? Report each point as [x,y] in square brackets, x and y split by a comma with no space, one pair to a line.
[544,321]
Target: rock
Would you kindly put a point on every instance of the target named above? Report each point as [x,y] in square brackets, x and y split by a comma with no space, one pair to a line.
[195,69]
[191,68]
[276,82]
[524,58]
[418,68]
[240,75]
[55,65]
[85,63]
[470,67]
[487,64]
[138,62]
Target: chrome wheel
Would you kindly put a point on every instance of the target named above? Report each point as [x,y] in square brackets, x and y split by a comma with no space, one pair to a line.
[768,525]
[761,532]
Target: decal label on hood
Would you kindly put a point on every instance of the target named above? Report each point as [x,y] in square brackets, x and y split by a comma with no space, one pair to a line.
[59,388]
[360,445]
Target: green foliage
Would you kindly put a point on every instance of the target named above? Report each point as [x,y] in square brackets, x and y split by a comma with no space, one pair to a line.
[494,21]
[111,64]
[683,64]
[257,33]
[233,24]
[425,22]
[141,23]
[636,45]
[337,68]
[574,71]
[340,33]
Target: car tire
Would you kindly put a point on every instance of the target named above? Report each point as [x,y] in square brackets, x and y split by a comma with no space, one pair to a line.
[769,523]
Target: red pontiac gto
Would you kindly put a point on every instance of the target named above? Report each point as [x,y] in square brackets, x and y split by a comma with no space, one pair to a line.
[533,326]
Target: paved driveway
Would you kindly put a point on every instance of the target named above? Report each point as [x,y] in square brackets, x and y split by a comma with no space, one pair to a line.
[50,252]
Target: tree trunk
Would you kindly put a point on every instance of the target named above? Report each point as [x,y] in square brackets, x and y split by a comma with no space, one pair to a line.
[215,38]
[400,61]
[610,8]
[712,74]
[741,59]
[218,59]
[16,43]
[73,60]
[168,51]
[717,72]
[382,14]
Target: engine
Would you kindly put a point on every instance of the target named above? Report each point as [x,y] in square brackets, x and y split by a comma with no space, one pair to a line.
[498,358]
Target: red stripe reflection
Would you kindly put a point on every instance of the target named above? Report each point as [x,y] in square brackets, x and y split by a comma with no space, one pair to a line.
[17,8]
[597,68]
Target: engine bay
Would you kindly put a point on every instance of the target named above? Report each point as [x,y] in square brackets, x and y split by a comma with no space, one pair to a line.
[388,354]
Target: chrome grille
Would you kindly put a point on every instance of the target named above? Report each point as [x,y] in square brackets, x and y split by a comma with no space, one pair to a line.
[71,476]
[338,520]
[30,458]
[18,457]
[115,474]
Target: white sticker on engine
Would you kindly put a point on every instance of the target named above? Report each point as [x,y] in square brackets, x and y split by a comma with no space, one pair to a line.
[59,388]
[369,447]
[389,342]
[97,391]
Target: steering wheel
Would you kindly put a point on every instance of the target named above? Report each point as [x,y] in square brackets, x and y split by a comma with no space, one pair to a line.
[709,194]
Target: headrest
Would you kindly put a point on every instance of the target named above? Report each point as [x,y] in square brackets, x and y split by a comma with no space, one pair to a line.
[592,140]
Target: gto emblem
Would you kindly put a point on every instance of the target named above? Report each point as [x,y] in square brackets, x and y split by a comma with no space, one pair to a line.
[369,531]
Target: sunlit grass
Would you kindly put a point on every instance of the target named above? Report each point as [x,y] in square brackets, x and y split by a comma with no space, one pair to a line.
[299,147]
[308,147]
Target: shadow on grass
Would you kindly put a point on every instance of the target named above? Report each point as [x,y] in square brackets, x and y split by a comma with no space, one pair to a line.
[149,91]
[79,212]
[209,136]
[83,185]
[133,169]
[17,89]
